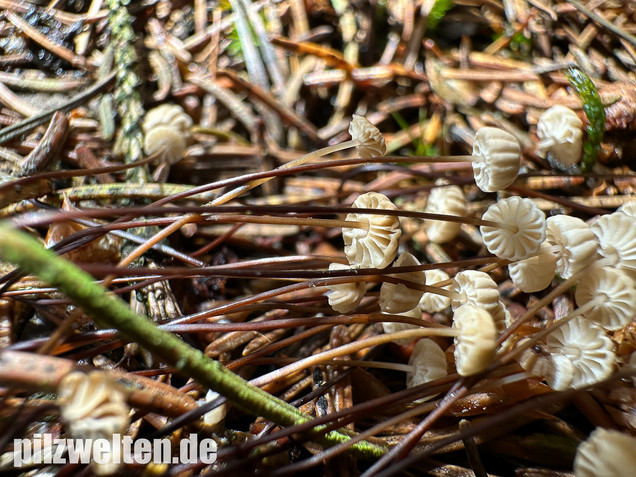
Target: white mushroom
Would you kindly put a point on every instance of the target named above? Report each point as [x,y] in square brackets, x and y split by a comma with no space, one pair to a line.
[560,132]
[476,343]
[396,297]
[628,208]
[582,355]
[497,158]
[607,297]
[573,243]
[394,326]
[217,414]
[524,229]
[616,235]
[345,297]
[377,246]
[370,140]
[93,406]
[168,127]
[432,302]
[428,363]
[606,453]
[448,200]
[535,273]
[479,289]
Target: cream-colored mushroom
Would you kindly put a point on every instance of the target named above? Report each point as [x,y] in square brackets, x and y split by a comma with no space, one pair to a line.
[497,158]
[428,363]
[432,302]
[628,208]
[606,453]
[217,414]
[345,297]
[477,340]
[560,133]
[479,289]
[523,232]
[580,354]
[448,200]
[607,297]
[166,127]
[93,406]
[394,326]
[370,140]
[535,273]
[616,235]
[397,297]
[573,243]
[377,246]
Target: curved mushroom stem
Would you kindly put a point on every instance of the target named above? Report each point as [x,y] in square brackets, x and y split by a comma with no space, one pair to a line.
[296,162]
[348,349]
[308,221]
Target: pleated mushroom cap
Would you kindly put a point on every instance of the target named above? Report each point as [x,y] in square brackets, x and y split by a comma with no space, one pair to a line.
[535,273]
[528,220]
[396,297]
[616,235]
[393,326]
[448,200]
[377,246]
[431,302]
[606,453]
[560,132]
[168,127]
[371,139]
[499,159]
[582,354]
[573,243]
[476,344]
[428,361]
[613,293]
[345,297]
[479,289]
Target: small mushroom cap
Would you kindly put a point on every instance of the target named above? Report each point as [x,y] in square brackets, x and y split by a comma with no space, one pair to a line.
[526,217]
[535,273]
[573,243]
[377,246]
[606,453]
[217,414]
[476,344]
[371,139]
[561,133]
[614,294]
[167,126]
[398,298]
[429,362]
[499,159]
[93,405]
[628,208]
[616,235]
[431,302]
[171,115]
[589,352]
[393,327]
[479,289]
[345,297]
[171,140]
[449,200]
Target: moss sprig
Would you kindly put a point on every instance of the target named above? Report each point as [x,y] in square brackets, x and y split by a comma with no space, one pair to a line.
[593,107]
